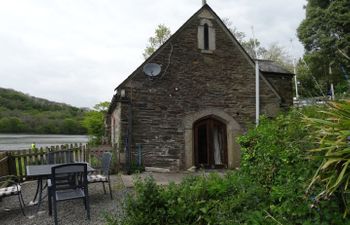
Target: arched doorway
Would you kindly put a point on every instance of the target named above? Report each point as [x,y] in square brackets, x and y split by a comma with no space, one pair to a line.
[210,143]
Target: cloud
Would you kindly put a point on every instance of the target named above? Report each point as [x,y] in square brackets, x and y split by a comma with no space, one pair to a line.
[78,51]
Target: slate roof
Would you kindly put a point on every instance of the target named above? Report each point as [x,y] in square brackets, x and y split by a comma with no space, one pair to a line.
[269,66]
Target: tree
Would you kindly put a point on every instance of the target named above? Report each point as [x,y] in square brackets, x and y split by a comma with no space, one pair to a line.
[71,126]
[278,54]
[20,112]
[94,122]
[11,124]
[325,34]
[236,33]
[274,52]
[249,46]
[161,35]
[308,85]
[101,107]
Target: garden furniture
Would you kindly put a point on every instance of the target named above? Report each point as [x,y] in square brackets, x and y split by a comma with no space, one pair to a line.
[75,187]
[9,186]
[103,177]
[40,173]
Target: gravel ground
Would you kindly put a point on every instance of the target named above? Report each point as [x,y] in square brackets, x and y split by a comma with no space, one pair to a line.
[69,212]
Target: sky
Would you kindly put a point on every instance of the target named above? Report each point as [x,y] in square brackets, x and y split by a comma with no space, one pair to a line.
[78,51]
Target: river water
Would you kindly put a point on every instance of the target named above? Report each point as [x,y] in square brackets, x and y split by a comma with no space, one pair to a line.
[24,141]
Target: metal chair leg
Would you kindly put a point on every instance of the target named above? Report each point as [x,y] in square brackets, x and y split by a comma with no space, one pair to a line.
[55,211]
[36,191]
[104,188]
[49,196]
[87,203]
[40,194]
[87,207]
[21,203]
[110,189]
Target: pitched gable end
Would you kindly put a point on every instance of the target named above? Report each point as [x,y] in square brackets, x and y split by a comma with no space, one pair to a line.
[206,14]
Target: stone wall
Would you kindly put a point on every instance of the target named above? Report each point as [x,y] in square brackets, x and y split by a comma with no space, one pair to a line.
[192,81]
[116,125]
[119,132]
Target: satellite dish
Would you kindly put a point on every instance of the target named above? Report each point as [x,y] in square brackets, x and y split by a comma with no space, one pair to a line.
[151,69]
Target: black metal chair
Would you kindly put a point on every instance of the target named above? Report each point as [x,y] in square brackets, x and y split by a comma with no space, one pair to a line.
[73,187]
[50,158]
[103,177]
[9,186]
[59,157]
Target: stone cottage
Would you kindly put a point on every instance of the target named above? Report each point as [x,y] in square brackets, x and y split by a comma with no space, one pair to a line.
[190,111]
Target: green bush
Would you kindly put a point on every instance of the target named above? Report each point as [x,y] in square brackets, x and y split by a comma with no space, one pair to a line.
[94,123]
[197,200]
[269,188]
[275,153]
[333,152]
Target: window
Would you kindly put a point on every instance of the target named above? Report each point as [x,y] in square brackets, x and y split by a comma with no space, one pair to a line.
[206,37]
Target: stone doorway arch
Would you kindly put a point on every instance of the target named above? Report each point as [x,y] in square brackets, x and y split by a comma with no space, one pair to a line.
[233,129]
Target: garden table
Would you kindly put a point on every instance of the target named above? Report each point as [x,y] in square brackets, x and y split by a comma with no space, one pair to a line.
[41,172]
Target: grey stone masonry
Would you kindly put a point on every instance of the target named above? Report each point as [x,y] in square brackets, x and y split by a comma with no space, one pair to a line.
[218,83]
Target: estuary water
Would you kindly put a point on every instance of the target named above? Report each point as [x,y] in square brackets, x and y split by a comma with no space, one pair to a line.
[10,142]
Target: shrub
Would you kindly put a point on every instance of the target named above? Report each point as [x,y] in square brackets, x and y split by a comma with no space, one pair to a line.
[333,136]
[269,188]
[275,153]
[197,200]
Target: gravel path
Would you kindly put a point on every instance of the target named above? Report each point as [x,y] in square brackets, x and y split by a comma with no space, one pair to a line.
[69,212]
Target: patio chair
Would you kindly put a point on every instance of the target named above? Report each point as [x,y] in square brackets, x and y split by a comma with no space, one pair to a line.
[103,176]
[75,188]
[62,179]
[9,186]
[50,158]
[58,157]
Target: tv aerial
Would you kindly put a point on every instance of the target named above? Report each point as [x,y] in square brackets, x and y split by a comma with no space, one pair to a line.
[152,69]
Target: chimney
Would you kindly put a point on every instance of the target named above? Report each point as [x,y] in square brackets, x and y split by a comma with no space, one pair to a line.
[204,2]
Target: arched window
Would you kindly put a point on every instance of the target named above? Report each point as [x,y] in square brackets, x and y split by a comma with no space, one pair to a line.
[206,37]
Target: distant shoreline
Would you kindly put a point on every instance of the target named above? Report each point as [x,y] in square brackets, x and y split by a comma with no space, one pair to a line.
[13,142]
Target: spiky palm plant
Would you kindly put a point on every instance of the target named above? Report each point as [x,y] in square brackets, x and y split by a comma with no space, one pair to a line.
[333,136]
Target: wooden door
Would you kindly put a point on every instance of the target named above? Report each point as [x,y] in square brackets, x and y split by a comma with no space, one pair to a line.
[210,143]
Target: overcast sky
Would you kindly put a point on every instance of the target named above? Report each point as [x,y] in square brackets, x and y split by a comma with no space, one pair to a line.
[78,51]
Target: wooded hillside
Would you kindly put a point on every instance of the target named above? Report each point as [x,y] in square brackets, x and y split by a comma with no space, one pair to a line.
[22,113]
